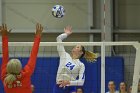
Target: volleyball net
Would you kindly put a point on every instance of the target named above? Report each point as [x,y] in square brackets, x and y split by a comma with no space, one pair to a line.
[117,61]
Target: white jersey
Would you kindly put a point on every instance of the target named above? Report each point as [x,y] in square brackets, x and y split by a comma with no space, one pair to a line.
[69,69]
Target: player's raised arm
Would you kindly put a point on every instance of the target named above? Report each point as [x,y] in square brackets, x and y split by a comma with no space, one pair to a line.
[33,56]
[5,56]
[61,37]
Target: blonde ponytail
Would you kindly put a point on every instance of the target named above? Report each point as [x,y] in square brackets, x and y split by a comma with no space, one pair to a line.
[13,68]
[10,78]
[90,56]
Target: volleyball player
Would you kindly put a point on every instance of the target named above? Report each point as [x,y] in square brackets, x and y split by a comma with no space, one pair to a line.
[14,78]
[71,71]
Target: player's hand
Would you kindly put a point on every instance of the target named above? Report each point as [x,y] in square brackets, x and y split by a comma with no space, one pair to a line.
[3,30]
[68,30]
[63,83]
[39,29]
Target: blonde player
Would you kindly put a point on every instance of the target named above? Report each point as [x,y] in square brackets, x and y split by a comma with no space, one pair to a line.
[71,71]
[14,78]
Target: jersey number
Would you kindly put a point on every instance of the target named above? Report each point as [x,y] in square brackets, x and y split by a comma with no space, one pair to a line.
[70,65]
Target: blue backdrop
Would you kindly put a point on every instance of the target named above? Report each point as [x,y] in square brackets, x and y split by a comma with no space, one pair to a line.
[46,69]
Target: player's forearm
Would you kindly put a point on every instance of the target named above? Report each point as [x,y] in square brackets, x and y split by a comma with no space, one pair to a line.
[34,52]
[5,55]
[5,51]
[77,83]
[61,37]
[60,48]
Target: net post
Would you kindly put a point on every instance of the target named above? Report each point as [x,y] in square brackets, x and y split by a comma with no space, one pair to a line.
[136,75]
[102,67]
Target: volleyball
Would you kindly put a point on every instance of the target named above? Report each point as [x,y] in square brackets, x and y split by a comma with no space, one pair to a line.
[58,11]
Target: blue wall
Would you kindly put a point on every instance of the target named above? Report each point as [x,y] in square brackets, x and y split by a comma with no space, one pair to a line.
[46,70]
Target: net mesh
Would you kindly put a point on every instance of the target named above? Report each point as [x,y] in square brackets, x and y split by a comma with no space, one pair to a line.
[119,67]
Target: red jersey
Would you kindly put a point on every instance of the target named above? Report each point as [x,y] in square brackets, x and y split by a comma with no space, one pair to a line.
[23,83]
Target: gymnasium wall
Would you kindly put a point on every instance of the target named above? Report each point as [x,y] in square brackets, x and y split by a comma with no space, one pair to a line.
[27,13]
[128,14]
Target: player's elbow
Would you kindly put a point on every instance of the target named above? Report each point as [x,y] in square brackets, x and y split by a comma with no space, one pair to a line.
[58,39]
[81,83]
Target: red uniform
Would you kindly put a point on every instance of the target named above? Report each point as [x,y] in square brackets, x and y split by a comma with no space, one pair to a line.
[23,83]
